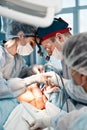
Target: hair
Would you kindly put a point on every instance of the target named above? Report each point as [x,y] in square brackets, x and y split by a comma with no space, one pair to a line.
[67,34]
[52,39]
[16,27]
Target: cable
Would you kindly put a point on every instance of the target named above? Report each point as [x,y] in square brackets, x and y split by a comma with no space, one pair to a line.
[58,72]
[42,54]
[40,49]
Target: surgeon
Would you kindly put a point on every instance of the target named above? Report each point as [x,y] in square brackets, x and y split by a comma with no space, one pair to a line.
[75,56]
[53,38]
[20,41]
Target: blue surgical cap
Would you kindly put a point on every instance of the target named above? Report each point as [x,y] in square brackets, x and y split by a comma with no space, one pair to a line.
[14,27]
[58,25]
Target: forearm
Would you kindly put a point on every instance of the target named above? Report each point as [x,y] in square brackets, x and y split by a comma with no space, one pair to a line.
[68,120]
[12,87]
[38,78]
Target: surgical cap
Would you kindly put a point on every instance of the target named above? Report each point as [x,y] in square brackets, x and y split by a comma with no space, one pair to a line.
[14,27]
[58,25]
[75,53]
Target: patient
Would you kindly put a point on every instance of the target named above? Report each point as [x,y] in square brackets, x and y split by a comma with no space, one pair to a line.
[33,104]
[38,97]
[34,96]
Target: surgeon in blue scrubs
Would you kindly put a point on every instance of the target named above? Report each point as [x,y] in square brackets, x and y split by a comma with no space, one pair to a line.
[20,41]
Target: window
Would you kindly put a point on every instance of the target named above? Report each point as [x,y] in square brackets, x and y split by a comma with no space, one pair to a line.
[83,20]
[82,2]
[68,3]
[75,12]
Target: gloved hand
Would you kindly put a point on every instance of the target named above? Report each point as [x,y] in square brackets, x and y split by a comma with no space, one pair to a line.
[38,69]
[38,78]
[53,78]
[51,109]
[47,77]
[41,123]
[46,120]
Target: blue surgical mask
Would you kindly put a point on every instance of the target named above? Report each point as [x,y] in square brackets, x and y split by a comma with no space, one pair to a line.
[76,92]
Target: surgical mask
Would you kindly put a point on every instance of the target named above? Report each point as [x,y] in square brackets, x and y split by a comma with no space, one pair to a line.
[24,50]
[76,92]
[57,54]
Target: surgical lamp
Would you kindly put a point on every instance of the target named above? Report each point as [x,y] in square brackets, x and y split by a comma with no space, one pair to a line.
[34,12]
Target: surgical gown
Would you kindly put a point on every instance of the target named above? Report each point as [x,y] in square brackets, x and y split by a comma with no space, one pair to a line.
[10,85]
[77,105]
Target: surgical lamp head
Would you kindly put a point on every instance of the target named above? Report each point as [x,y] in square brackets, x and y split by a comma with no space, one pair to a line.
[75,53]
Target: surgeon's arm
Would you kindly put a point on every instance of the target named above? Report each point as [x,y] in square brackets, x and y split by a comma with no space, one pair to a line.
[55,79]
[73,120]
[61,120]
[11,88]
[16,86]
[52,113]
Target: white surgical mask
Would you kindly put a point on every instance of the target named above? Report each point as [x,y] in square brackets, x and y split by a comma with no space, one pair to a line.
[24,50]
[57,54]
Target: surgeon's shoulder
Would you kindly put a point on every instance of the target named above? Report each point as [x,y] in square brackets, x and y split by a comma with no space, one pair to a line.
[2,50]
[2,54]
